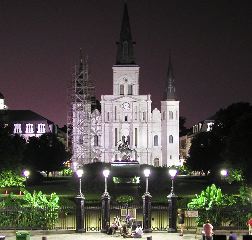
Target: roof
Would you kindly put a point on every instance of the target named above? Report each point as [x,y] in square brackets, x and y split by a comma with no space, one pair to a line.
[20,115]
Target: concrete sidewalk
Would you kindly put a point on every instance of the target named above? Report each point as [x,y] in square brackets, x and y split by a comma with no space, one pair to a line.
[37,235]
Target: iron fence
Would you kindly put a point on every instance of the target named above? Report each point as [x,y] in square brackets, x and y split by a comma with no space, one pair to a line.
[65,218]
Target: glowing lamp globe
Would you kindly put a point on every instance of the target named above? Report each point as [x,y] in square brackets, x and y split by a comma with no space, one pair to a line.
[106,173]
[147,172]
[26,173]
[79,173]
[224,172]
[173,172]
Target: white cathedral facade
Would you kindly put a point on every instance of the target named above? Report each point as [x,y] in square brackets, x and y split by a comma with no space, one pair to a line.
[127,117]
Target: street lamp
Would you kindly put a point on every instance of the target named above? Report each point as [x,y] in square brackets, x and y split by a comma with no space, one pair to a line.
[105,198]
[147,174]
[173,173]
[224,172]
[147,204]
[80,205]
[26,173]
[79,173]
[172,204]
[106,174]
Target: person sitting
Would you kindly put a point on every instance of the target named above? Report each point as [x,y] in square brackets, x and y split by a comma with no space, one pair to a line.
[138,232]
[113,227]
[118,224]
[125,232]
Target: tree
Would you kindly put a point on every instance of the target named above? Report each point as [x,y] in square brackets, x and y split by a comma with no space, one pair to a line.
[238,145]
[182,127]
[233,127]
[46,153]
[225,119]
[204,152]
[11,149]
[227,144]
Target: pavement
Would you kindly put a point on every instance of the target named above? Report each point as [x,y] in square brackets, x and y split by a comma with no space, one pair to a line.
[47,235]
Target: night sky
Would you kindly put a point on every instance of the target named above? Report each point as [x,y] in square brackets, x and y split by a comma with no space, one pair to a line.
[210,42]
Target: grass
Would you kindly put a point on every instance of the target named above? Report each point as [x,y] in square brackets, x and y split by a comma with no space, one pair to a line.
[184,187]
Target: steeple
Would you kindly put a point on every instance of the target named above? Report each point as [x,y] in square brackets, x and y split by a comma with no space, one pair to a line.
[125,48]
[169,94]
[81,62]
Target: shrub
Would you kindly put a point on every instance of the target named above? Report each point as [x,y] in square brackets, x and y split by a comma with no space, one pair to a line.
[122,199]
[11,179]
[35,210]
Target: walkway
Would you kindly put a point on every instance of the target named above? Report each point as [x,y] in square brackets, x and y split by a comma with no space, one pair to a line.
[37,235]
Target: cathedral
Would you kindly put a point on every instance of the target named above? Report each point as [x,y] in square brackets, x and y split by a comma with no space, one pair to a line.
[126,129]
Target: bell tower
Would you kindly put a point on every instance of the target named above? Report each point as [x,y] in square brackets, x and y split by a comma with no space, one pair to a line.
[170,121]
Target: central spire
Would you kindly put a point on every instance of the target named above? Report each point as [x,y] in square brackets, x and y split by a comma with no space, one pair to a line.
[125,48]
[169,94]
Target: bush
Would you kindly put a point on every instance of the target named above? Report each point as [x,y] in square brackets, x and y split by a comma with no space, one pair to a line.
[35,210]
[122,199]
[11,179]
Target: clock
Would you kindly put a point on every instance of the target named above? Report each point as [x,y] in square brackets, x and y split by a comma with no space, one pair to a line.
[126,105]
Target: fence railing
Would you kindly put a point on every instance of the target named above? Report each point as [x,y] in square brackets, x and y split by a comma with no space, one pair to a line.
[65,218]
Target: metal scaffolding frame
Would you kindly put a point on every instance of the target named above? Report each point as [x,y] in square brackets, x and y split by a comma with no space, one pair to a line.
[79,115]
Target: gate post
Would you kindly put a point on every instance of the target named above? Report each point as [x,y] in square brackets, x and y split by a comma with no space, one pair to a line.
[105,211]
[172,212]
[147,212]
[80,214]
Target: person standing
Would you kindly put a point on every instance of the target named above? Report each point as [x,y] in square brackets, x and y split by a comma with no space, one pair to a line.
[181,221]
[250,226]
[208,230]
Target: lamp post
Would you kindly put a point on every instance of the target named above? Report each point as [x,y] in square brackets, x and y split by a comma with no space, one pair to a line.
[172,204]
[26,174]
[105,203]
[80,214]
[147,204]
[224,173]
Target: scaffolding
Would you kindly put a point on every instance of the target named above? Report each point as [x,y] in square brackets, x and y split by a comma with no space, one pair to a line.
[82,98]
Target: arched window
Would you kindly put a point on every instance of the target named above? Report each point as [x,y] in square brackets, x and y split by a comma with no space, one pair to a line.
[170,139]
[170,115]
[156,162]
[130,89]
[96,140]
[121,89]
[156,140]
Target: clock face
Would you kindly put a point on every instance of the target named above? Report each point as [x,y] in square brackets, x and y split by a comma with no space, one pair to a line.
[126,105]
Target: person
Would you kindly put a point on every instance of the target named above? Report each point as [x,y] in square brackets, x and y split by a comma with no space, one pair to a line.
[208,230]
[181,221]
[113,227]
[138,232]
[107,227]
[118,224]
[250,226]
[232,236]
[125,231]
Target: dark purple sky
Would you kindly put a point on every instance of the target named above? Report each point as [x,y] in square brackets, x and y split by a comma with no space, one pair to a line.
[210,40]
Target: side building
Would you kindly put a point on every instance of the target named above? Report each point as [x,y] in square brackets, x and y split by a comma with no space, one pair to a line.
[186,140]
[25,122]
